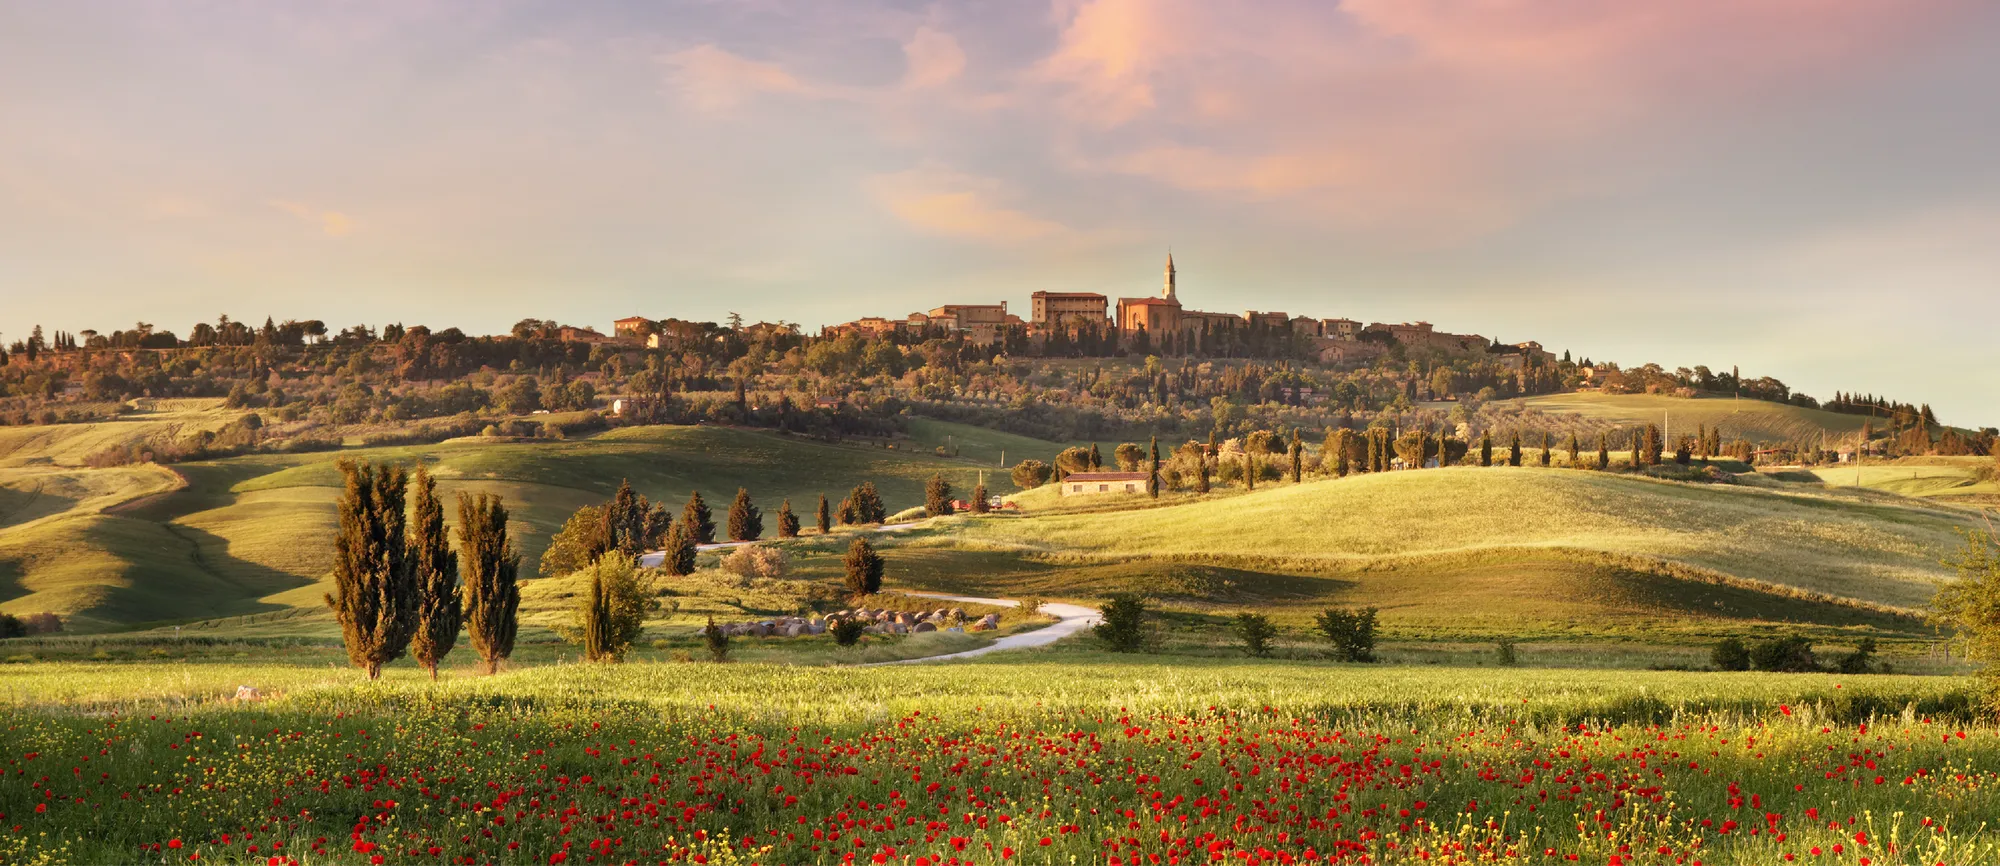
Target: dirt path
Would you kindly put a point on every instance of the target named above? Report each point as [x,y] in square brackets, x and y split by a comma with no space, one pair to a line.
[1070,619]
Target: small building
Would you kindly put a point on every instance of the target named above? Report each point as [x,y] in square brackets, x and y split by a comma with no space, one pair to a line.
[1088,483]
[1065,308]
[632,328]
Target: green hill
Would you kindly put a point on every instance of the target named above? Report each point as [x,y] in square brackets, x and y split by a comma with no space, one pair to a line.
[1756,420]
[1524,544]
[254,533]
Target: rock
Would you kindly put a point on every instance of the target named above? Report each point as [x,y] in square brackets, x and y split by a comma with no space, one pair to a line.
[817,627]
[922,627]
[957,614]
[794,630]
[991,620]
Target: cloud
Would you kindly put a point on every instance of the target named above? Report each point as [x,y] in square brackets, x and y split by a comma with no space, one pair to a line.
[333,224]
[933,59]
[713,79]
[1439,118]
[951,204]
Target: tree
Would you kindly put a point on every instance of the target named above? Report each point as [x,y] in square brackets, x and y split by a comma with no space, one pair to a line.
[1548,448]
[1071,461]
[374,597]
[630,524]
[1153,471]
[1249,469]
[677,556]
[1572,449]
[436,576]
[1128,456]
[578,544]
[612,613]
[1486,448]
[1603,451]
[1123,627]
[1790,654]
[864,568]
[491,566]
[1256,632]
[1971,605]
[746,523]
[868,507]
[1350,630]
[1655,444]
[980,503]
[1514,449]
[1031,474]
[1297,453]
[822,519]
[696,516]
[937,496]
[788,523]
[1096,460]
[1638,448]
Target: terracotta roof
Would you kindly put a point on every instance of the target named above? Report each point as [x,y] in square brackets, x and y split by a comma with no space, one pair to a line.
[1105,476]
[1133,302]
[1069,295]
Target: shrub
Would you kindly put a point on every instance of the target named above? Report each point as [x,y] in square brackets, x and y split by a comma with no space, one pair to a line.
[1351,631]
[757,560]
[1256,632]
[11,626]
[1504,654]
[1030,606]
[1791,654]
[717,641]
[864,568]
[1730,655]
[1124,626]
[1857,662]
[611,613]
[847,632]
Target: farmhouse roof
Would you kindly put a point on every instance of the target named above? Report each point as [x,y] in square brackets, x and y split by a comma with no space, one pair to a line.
[1105,476]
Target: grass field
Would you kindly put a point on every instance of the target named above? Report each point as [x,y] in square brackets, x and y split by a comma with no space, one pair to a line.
[1756,420]
[115,547]
[1881,551]
[1098,759]
[1934,476]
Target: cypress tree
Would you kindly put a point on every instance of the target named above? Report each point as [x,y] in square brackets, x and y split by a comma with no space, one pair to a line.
[1638,448]
[375,595]
[1153,471]
[1514,449]
[1486,448]
[1572,449]
[596,619]
[1201,475]
[863,567]
[491,565]
[1096,459]
[1211,443]
[937,496]
[788,523]
[979,499]
[1548,448]
[1603,451]
[867,504]
[1656,444]
[1249,470]
[698,519]
[822,518]
[1298,455]
[746,523]
[678,556]
[435,570]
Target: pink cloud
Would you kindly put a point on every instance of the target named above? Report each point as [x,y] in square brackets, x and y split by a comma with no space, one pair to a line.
[1443,116]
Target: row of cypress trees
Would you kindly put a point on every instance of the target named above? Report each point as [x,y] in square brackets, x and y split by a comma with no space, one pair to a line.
[397,578]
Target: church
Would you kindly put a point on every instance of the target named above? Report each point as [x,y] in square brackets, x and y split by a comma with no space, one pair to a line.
[1159,317]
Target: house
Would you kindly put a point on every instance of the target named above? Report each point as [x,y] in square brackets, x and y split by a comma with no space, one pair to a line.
[572,334]
[1087,483]
[1064,308]
[631,328]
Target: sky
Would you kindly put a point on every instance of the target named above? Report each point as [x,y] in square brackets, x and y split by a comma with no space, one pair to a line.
[1803,188]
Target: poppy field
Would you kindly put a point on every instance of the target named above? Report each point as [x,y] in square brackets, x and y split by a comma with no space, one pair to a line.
[994,763]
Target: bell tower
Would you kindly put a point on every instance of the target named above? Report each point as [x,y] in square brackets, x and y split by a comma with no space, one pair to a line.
[1168,293]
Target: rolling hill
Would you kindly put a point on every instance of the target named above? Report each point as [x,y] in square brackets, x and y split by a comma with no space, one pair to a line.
[116,547]
[1756,420]
[1502,544]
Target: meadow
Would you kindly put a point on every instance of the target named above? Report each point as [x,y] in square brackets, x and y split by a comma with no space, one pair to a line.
[1099,759]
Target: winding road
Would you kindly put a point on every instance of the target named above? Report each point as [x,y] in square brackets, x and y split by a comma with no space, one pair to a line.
[1070,618]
